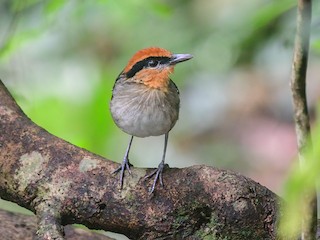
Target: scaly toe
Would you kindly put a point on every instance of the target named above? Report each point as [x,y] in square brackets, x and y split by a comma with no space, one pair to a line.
[158,177]
[125,165]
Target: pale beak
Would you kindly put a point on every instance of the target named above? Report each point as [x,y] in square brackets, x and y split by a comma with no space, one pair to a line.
[178,58]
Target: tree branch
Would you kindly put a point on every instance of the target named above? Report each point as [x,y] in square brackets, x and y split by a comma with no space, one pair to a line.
[301,116]
[22,227]
[63,184]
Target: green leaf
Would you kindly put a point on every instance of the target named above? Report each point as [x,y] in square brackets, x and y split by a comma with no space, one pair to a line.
[53,6]
[301,182]
[19,5]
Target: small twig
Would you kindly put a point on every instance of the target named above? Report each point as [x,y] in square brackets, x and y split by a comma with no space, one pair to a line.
[301,116]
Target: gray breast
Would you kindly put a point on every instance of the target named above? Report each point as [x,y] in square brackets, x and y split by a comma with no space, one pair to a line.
[143,112]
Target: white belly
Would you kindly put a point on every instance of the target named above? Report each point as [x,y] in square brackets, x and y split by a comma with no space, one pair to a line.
[146,113]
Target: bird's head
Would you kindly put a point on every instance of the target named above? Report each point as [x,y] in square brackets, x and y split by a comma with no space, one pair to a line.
[152,66]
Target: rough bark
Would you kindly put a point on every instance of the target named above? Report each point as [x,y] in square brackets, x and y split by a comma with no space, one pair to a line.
[22,227]
[64,184]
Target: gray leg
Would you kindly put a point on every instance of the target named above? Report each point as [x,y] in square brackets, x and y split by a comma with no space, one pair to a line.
[159,170]
[125,165]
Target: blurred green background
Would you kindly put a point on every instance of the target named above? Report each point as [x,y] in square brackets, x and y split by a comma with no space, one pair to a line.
[60,60]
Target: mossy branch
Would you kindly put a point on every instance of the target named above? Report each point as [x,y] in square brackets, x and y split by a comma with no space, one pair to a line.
[63,184]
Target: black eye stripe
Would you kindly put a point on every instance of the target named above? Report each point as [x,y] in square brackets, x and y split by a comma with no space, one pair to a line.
[144,63]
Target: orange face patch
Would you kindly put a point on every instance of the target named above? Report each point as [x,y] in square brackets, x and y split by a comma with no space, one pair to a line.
[155,78]
[145,53]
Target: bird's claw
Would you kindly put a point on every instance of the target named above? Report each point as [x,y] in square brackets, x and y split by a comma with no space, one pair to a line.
[125,165]
[158,177]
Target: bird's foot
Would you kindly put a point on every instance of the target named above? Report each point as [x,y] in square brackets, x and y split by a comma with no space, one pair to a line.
[125,165]
[158,177]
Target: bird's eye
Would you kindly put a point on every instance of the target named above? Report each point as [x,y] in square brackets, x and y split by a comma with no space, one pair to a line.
[153,63]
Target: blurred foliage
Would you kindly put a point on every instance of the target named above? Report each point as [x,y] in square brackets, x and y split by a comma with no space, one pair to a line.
[302,181]
[76,49]
[60,59]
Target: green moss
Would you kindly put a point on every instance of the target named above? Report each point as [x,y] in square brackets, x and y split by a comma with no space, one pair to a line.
[209,232]
[179,221]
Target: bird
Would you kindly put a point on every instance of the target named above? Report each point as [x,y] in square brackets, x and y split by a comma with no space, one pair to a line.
[145,101]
